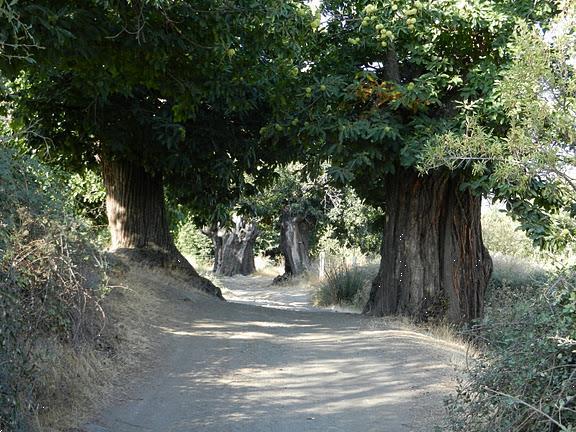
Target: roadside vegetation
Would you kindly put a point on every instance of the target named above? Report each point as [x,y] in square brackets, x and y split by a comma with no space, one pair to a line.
[523,377]
[52,276]
[345,285]
[66,333]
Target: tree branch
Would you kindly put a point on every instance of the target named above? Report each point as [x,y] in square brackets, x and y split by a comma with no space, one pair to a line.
[532,407]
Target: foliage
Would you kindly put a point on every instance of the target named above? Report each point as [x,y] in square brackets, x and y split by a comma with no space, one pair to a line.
[180,88]
[188,236]
[502,235]
[525,378]
[353,224]
[50,282]
[344,285]
[86,190]
[340,217]
[524,148]
[387,76]
[190,240]
[16,42]
[291,191]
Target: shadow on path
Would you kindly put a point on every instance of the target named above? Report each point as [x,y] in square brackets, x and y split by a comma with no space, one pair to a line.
[226,367]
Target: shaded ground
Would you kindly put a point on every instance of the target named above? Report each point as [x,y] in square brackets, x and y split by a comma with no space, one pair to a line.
[229,367]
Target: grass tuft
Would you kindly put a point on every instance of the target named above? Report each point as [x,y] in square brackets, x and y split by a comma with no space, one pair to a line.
[344,285]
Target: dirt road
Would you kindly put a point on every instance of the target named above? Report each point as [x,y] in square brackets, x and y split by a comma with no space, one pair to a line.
[230,367]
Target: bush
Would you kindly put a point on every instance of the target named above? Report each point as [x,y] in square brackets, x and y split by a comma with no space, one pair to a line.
[49,287]
[525,379]
[344,286]
[191,241]
[87,194]
[501,234]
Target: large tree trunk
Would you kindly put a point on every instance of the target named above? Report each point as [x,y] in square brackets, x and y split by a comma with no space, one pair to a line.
[295,234]
[234,248]
[434,264]
[138,223]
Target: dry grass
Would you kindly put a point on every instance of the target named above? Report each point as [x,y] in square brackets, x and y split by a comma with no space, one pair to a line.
[442,332]
[70,381]
[267,267]
[74,381]
[443,335]
[202,266]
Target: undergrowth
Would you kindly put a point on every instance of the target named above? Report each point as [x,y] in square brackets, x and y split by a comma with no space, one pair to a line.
[191,241]
[51,278]
[525,377]
[501,234]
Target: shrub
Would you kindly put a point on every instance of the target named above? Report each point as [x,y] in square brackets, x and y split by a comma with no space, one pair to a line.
[344,285]
[190,240]
[516,273]
[87,195]
[501,234]
[49,287]
[525,379]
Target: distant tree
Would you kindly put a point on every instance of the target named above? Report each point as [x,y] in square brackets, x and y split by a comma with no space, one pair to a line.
[290,209]
[299,208]
[234,246]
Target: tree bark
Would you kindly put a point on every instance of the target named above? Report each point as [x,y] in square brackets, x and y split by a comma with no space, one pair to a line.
[234,248]
[433,261]
[138,223]
[295,234]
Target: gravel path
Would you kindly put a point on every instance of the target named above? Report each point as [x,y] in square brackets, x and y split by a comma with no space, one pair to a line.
[232,367]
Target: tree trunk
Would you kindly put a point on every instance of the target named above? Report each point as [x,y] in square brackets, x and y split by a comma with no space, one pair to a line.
[295,233]
[234,248]
[433,261]
[212,232]
[138,222]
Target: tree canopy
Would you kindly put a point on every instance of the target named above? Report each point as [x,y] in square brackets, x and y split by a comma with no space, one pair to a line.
[387,77]
[530,162]
[179,87]
[340,219]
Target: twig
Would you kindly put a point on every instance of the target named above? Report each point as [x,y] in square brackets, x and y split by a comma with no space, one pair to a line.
[562,427]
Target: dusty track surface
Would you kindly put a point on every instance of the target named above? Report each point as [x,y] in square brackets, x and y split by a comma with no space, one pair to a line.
[231,367]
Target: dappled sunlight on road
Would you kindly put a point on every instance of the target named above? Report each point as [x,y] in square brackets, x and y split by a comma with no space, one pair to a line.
[258,290]
[229,367]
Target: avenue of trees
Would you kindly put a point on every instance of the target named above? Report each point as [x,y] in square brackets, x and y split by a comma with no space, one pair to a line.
[202,101]
[294,219]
